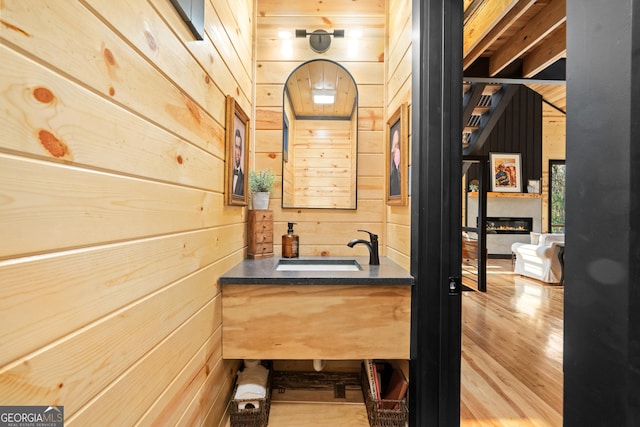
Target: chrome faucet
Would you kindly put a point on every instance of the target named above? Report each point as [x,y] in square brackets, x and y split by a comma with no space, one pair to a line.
[374,259]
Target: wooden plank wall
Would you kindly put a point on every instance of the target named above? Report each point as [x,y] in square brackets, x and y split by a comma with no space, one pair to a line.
[112,216]
[324,163]
[398,91]
[324,232]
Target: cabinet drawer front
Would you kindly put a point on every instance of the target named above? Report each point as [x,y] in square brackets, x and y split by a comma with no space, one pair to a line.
[263,237]
[265,248]
[338,322]
[259,216]
[261,227]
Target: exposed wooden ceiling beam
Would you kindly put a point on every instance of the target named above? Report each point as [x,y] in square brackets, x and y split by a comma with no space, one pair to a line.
[507,20]
[467,3]
[545,54]
[538,27]
[485,17]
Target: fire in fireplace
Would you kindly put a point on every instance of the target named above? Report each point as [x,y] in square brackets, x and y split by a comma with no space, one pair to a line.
[509,225]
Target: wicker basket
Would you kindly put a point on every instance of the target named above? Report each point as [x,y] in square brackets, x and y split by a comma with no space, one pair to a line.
[251,416]
[377,413]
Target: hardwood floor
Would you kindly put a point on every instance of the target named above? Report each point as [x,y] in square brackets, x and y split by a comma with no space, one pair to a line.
[512,338]
[511,368]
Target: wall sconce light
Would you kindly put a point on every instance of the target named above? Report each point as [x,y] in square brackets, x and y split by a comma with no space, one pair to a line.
[319,40]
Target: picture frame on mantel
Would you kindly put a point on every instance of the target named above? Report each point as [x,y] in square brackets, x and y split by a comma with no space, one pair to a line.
[237,156]
[397,157]
[533,186]
[506,172]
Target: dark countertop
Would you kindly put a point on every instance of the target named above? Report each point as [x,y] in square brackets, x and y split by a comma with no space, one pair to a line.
[263,272]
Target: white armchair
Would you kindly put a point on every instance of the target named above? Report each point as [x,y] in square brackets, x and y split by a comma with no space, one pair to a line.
[539,259]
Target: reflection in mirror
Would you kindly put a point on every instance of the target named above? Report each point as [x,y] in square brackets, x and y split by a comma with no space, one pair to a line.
[319,142]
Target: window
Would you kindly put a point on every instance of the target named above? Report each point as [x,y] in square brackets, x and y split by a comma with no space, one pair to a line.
[556,195]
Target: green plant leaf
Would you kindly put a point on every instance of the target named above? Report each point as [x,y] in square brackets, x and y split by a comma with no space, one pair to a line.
[261,181]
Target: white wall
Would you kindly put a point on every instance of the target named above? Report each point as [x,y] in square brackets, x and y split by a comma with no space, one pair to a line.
[524,205]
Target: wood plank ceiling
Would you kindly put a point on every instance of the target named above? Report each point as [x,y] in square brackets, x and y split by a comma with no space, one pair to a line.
[325,77]
[518,41]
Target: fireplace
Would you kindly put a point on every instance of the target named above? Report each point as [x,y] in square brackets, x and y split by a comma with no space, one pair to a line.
[509,225]
[510,206]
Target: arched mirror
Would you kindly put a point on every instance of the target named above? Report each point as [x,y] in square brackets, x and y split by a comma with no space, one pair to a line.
[319,138]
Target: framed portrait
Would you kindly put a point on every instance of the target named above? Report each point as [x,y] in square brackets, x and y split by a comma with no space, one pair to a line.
[237,158]
[397,157]
[506,172]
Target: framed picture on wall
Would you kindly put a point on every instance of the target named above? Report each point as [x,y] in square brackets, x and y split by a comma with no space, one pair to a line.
[506,172]
[237,158]
[397,157]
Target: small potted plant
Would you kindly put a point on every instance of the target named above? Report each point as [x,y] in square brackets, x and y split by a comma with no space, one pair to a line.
[260,185]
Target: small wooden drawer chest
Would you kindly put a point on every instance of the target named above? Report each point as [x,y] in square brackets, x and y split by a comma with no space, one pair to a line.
[260,233]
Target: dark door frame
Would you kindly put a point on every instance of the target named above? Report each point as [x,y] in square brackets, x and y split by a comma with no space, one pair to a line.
[481,221]
[602,298]
[602,205]
[436,204]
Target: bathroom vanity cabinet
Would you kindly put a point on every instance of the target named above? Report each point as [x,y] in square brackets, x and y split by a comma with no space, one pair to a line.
[324,314]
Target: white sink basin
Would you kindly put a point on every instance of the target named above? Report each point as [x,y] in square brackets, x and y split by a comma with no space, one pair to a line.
[318,265]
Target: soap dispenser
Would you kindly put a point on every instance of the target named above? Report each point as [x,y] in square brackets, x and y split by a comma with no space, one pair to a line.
[290,243]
